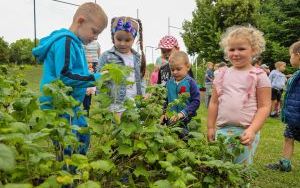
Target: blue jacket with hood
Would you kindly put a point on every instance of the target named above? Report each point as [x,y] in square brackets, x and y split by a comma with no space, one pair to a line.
[64,58]
[290,113]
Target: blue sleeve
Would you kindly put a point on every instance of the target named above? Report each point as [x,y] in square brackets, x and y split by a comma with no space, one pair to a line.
[194,103]
[65,60]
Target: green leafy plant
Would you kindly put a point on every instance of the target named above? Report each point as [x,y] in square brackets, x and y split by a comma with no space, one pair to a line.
[140,152]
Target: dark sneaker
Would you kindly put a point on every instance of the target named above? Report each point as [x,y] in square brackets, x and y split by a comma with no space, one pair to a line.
[282,165]
[273,166]
[285,165]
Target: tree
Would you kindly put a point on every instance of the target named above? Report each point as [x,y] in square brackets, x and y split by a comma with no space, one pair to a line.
[20,51]
[4,51]
[279,20]
[202,35]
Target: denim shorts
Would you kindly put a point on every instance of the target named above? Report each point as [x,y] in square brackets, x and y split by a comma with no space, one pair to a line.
[292,132]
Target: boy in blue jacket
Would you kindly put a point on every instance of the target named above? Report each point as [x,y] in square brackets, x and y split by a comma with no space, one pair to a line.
[64,58]
[180,83]
[290,113]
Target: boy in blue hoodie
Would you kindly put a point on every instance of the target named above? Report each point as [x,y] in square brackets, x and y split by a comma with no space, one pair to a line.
[64,58]
[180,83]
[290,113]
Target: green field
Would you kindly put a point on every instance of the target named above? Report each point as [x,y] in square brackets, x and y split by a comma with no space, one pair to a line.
[269,149]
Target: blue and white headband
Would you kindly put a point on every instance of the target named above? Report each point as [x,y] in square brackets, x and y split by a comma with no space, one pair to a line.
[125,26]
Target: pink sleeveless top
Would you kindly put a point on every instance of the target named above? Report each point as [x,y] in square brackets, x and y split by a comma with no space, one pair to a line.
[236,90]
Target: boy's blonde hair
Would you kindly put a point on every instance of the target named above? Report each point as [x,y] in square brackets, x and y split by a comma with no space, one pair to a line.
[295,48]
[89,10]
[253,35]
[180,55]
[209,64]
[279,64]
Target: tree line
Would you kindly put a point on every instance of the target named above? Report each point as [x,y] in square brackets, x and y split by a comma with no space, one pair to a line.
[278,19]
[18,52]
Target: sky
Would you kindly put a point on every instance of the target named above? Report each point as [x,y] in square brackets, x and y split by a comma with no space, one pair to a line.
[17,19]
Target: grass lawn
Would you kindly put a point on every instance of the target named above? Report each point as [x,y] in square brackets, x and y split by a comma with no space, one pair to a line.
[269,149]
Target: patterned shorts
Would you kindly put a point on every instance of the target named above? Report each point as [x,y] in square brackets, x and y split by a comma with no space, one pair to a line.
[292,132]
[247,156]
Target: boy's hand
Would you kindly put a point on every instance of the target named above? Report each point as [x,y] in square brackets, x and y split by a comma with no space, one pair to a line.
[91,91]
[104,72]
[211,134]
[163,118]
[177,117]
[247,137]
[88,91]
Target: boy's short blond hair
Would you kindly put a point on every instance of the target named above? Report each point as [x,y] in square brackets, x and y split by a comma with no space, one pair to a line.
[209,64]
[180,55]
[279,64]
[91,10]
[253,35]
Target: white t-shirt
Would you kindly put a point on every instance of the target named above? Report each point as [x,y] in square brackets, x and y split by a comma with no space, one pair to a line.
[131,90]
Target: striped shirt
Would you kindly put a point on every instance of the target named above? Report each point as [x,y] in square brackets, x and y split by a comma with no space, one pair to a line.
[91,51]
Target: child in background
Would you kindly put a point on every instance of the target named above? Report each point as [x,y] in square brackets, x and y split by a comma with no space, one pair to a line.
[290,113]
[217,67]
[209,77]
[241,96]
[64,58]
[257,62]
[92,53]
[124,31]
[278,81]
[154,75]
[179,83]
[167,45]
[87,101]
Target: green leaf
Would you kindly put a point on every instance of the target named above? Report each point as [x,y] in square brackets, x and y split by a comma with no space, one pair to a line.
[190,177]
[7,158]
[165,164]
[128,129]
[196,135]
[151,157]
[140,145]
[141,171]
[208,179]
[11,185]
[179,184]
[89,184]
[171,158]
[78,159]
[162,184]
[125,150]
[65,179]
[19,127]
[105,165]
[50,183]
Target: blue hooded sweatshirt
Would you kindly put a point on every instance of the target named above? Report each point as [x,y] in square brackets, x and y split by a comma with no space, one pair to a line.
[64,58]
